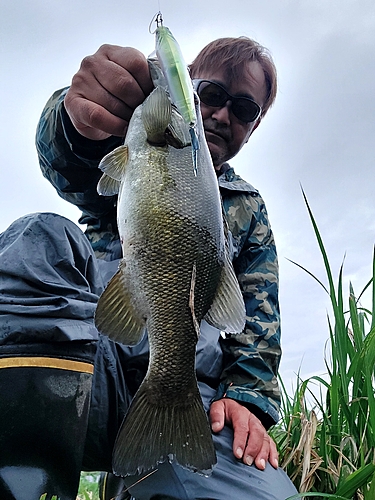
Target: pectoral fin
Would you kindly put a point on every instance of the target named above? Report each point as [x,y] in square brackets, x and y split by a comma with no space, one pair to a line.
[227,312]
[107,186]
[114,163]
[115,315]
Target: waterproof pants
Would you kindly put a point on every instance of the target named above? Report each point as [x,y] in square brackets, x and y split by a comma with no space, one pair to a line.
[64,389]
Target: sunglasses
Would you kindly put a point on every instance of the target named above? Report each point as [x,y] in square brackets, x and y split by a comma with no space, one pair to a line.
[213,94]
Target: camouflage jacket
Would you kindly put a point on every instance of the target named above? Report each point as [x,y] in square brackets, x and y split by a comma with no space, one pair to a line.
[251,359]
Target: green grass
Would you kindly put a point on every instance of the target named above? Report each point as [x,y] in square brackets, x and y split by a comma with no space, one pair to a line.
[88,486]
[328,447]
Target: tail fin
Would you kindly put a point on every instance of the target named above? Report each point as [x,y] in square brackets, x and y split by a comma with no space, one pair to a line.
[153,433]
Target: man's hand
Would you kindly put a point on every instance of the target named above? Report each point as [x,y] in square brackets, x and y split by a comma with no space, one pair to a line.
[106,90]
[251,443]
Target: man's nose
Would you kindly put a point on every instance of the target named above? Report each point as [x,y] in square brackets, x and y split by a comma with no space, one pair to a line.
[222,114]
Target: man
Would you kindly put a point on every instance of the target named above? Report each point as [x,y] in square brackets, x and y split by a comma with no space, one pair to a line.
[236,81]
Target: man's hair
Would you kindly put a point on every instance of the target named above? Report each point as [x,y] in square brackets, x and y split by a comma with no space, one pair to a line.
[231,54]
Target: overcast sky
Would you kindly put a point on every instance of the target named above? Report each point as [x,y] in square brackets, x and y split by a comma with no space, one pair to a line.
[320,133]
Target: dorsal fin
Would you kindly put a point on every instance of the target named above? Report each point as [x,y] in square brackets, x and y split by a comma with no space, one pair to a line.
[156,115]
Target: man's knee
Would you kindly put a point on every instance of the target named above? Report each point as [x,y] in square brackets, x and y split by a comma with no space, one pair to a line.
[43,234]
[41,220]
[40,240]
[49,279]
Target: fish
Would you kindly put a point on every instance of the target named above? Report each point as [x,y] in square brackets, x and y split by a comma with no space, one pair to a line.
[175,271]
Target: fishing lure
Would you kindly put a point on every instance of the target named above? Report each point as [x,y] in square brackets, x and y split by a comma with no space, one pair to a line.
[178,79]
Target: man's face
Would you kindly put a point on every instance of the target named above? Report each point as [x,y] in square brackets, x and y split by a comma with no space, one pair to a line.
[225,133]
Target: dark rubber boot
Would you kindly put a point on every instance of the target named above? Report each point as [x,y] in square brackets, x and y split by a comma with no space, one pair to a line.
[44,404]
[112,487]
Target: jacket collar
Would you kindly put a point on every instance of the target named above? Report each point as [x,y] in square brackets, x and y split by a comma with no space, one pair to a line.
[233,182]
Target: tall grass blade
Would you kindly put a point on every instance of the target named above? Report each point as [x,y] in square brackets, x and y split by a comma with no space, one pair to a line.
[323,252]
[355,480]
[310,273]
[370,494]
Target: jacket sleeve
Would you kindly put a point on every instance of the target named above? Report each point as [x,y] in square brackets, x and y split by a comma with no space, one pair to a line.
[70,161]
[251,359]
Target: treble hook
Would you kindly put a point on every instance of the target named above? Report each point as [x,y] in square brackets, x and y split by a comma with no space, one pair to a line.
[158,19]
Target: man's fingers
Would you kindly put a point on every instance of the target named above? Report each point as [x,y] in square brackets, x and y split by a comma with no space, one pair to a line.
[135,63]
[103,80]
[92,120]
[274,455]
[251,442]
[257,437]
[217,415]
[105,91]
[260,451]
[88,88]
[267,453]
[241,436]
[262,456]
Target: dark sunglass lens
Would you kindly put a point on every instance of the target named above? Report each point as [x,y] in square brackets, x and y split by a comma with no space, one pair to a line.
[212,94]
[246,110]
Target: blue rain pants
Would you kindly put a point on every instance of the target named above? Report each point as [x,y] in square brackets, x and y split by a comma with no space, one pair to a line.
[50,282]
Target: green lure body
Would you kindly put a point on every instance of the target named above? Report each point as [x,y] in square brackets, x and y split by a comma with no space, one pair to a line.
[176,73]
[179,83]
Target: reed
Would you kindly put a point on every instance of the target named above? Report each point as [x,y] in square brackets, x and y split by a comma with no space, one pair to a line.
[327,447]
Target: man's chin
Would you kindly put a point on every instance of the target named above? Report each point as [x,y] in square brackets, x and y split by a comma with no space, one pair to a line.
[218,155]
